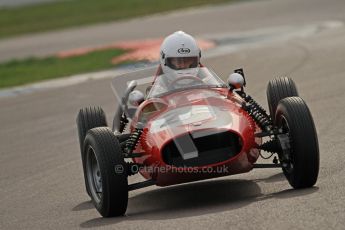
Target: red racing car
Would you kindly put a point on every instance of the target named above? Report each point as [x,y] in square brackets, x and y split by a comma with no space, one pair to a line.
[192,126]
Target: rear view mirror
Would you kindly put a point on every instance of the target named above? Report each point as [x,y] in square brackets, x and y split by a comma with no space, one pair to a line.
[235,81]
[136,97]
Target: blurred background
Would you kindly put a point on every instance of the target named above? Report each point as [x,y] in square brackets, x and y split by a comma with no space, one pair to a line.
[57,56]
[52,55]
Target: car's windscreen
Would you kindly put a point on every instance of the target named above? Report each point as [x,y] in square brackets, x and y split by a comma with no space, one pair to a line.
[179,80]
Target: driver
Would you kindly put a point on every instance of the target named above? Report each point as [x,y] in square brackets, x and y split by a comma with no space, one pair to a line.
[179,53]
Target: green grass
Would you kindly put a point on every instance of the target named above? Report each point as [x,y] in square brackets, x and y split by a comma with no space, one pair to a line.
[31,70]
[69,13]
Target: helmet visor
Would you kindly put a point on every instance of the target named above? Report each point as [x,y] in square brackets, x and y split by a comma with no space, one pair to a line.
[178,63]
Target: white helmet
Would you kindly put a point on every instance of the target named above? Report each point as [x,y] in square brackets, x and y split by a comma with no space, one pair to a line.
[179,51]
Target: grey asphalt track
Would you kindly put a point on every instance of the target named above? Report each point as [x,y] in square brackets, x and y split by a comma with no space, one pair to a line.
[41,183]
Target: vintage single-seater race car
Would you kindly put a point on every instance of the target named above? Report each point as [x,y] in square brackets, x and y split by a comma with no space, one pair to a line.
[192,126]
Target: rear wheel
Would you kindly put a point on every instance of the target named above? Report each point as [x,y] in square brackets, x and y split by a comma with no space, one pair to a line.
[105,172]
[88,118]
[277,89]
[294,118]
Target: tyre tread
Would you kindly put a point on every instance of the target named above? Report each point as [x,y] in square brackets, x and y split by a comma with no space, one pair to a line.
[278,89]
[108,154]
[88,118]
[304,141]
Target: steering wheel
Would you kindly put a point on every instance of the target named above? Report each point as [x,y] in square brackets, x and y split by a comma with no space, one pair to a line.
[177,83]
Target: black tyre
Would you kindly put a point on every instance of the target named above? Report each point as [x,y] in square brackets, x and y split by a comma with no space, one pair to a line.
[277,89]
[88,118]
[105,172]
[294,117]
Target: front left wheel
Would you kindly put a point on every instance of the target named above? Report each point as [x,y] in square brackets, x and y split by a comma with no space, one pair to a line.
[278,89]
[106,172]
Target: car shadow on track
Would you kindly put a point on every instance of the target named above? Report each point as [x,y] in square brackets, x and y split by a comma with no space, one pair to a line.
[83,206]
[272,179]
[193,199]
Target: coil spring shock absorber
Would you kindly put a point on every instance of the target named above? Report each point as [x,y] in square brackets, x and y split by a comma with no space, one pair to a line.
[258,107]
[133,139]
[263,121]
[258,113]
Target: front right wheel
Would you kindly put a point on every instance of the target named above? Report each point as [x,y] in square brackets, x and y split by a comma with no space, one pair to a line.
[294,118]
[106,172]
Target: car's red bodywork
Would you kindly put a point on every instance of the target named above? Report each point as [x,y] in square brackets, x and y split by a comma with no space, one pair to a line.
[192,126]
[153,142]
